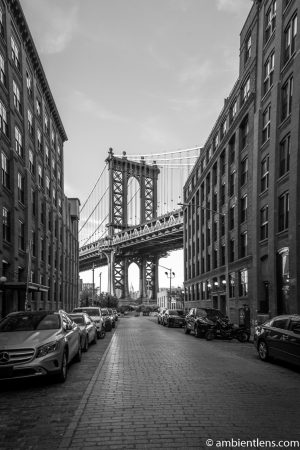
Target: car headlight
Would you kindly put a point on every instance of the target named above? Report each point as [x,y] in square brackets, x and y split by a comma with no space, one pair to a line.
[47,348]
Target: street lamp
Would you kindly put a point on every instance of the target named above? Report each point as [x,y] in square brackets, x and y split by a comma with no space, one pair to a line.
[170,275]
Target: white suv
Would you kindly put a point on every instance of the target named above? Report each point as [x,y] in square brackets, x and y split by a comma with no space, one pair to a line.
[96,315]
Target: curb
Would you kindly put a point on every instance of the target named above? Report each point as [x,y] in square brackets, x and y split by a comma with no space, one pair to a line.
[68,434]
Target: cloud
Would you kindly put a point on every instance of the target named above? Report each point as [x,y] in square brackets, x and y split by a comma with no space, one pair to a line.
[53,24]
[195,71]
[152,131]
[86,105]
[233,6]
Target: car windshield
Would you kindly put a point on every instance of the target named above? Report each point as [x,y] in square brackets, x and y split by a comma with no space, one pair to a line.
[78,319]
[201,313]
[175,313]
[89,311]
[30,322]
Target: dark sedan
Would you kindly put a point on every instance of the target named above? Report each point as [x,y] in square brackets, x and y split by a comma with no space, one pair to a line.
[88,329]
[201,320]
[173,318]
[279,338]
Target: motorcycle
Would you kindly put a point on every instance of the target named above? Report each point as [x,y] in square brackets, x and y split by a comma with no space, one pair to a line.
[226,330]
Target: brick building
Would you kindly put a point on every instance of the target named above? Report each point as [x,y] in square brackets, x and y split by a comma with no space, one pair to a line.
[38,223]
[241,233]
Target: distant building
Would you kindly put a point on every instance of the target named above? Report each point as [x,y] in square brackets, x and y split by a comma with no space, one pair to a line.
[241,228]
[164,301]
[38,223]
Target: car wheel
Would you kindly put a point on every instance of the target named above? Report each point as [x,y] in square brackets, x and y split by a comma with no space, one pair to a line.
[197,332]
[94,341]
[86,344]
[186,330]
[78,354]
[263,351]
[101,334]
[108,327]
[242,336]
[209,335]
[63,371]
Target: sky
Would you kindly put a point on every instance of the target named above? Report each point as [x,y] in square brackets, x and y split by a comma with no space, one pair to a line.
[141,76]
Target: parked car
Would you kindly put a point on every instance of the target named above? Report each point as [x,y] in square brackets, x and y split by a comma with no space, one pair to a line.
[173,318]
[112,316]
[95,313]
[107,319]
[279,338]
[201,320]
[160,315]
[88,329]
[115,313]
[37,343]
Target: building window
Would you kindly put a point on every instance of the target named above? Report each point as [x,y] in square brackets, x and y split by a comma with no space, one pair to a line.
[231,183]
[247,48]
[18,142]
[244,244]
[284,155]
[243,283]
[52,138]
[215,143]
[59,149]
[264,174]
[21,195]
[244,208]
[3,119]
[1,21]
[54,195]
[270,20]
[16,97]
[15,53]
[46,122]
[59,177]
[266,124]
[244,171]
[38,107]
[31,161]
[33,202]
[5,179]
[231,250]
[39,141]
[231,149]
[40,175]
[48,186]
[2,70]
[231,218]
[244,132]
[29,83]
[286,99]
[264,222]
[21,235]
[290,34]
[245,91]
[42,249]
[269,72]
[47,155]
[231,284]
[59,205]
[222,193]
[232,112]
[30,122]
[33,243]
[283,212]
[5,224]
[223,129]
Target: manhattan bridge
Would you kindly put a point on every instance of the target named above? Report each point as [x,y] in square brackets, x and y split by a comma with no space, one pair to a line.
[132,215]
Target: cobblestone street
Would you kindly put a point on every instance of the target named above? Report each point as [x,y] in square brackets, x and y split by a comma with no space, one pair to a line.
[154,388]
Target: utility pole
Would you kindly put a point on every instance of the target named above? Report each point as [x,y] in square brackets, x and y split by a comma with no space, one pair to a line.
[93,270]
[100,283]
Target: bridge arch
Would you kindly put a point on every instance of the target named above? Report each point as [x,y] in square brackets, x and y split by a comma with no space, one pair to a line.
[133,201]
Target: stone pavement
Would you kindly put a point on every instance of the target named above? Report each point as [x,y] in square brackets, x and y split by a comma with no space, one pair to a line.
[159,388]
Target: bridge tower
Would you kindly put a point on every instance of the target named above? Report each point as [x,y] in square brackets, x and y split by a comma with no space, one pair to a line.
[120,171]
